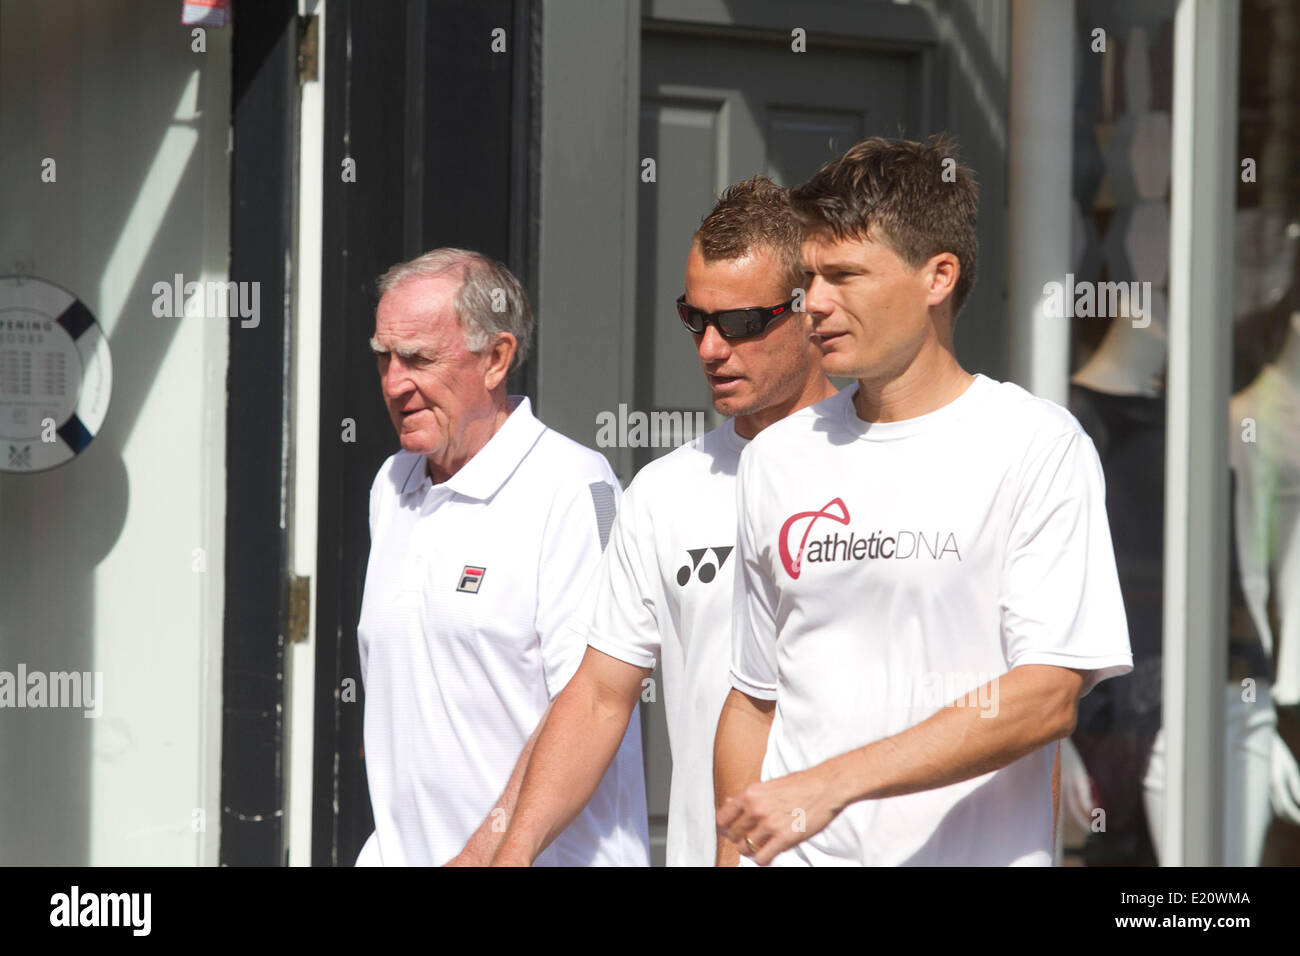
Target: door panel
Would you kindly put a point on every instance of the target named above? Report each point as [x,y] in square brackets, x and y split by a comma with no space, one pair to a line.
[799,140]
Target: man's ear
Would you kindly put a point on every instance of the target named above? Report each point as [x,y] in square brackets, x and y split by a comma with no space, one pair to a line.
[941,275]
[499,356]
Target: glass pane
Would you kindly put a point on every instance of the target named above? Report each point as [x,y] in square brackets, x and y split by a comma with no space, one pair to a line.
[1262,700]
[1122,162]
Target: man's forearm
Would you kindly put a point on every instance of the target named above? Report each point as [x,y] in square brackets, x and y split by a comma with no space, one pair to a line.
[1033,709]
[581,736]
[483,843]
[738,749]
[1033,706]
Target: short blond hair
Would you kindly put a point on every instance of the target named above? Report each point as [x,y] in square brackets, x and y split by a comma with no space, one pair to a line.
[750,215]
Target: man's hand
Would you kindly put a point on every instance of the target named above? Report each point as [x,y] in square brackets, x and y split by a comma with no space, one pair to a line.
[484,841]
[1036,706]
[580,739]
[775,815]
[507,857]
[480,847]
[471,856]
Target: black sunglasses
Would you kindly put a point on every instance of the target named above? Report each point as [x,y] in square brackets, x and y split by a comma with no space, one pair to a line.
[732,323]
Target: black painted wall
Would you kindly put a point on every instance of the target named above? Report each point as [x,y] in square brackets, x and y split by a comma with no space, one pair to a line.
[262,187]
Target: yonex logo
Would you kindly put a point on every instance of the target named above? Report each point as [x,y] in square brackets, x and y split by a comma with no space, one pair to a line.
[705,572]
[470,579]
[794,564]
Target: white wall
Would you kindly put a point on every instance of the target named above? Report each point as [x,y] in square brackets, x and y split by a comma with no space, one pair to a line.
[97,558]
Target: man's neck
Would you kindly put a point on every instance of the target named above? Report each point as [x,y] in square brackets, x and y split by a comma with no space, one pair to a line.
[474,437]
[815,389]
[932,380]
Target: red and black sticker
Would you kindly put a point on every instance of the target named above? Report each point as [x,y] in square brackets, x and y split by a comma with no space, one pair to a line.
[470,579]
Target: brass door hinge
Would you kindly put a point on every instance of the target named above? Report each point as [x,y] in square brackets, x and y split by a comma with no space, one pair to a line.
[299,616]
[308,46]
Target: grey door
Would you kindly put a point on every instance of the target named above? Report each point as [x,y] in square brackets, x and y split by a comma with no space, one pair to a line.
[720,103]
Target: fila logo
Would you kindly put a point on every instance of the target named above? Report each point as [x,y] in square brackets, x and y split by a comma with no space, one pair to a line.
[470,579]
[706,572]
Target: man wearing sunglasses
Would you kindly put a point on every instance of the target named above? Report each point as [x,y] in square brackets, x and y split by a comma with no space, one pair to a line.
[663,590]
[926,583]
[730,323]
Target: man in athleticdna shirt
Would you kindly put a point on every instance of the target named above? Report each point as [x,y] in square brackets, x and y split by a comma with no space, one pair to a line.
[926,584]
[663,590]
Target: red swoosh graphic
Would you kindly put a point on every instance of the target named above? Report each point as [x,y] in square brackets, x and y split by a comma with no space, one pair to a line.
[793,566]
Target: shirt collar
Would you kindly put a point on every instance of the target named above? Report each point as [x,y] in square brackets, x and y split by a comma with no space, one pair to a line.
[484,474]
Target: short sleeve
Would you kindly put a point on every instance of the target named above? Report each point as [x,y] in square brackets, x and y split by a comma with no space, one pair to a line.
[753,617]
[1060,596]
[620,616]
[576,531]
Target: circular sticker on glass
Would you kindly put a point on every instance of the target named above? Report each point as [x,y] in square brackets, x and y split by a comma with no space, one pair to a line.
[55,375]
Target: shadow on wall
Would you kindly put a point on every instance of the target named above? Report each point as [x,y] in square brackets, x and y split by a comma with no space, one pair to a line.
[114,92]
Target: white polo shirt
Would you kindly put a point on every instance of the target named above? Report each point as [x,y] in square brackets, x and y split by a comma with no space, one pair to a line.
[463,646]
[888,569]
[663,591]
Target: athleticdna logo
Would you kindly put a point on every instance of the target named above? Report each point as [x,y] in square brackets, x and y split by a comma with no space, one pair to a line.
[470,579]
[901,544]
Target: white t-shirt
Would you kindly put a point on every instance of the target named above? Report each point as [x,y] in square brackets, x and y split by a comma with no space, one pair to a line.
[463,643]
[664,590]
[889,569]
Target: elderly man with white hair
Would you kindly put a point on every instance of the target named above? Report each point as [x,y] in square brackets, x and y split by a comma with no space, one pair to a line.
[484,529]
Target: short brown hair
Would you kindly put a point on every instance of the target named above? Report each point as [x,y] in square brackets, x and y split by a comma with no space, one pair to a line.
[916,197]
[750,215]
